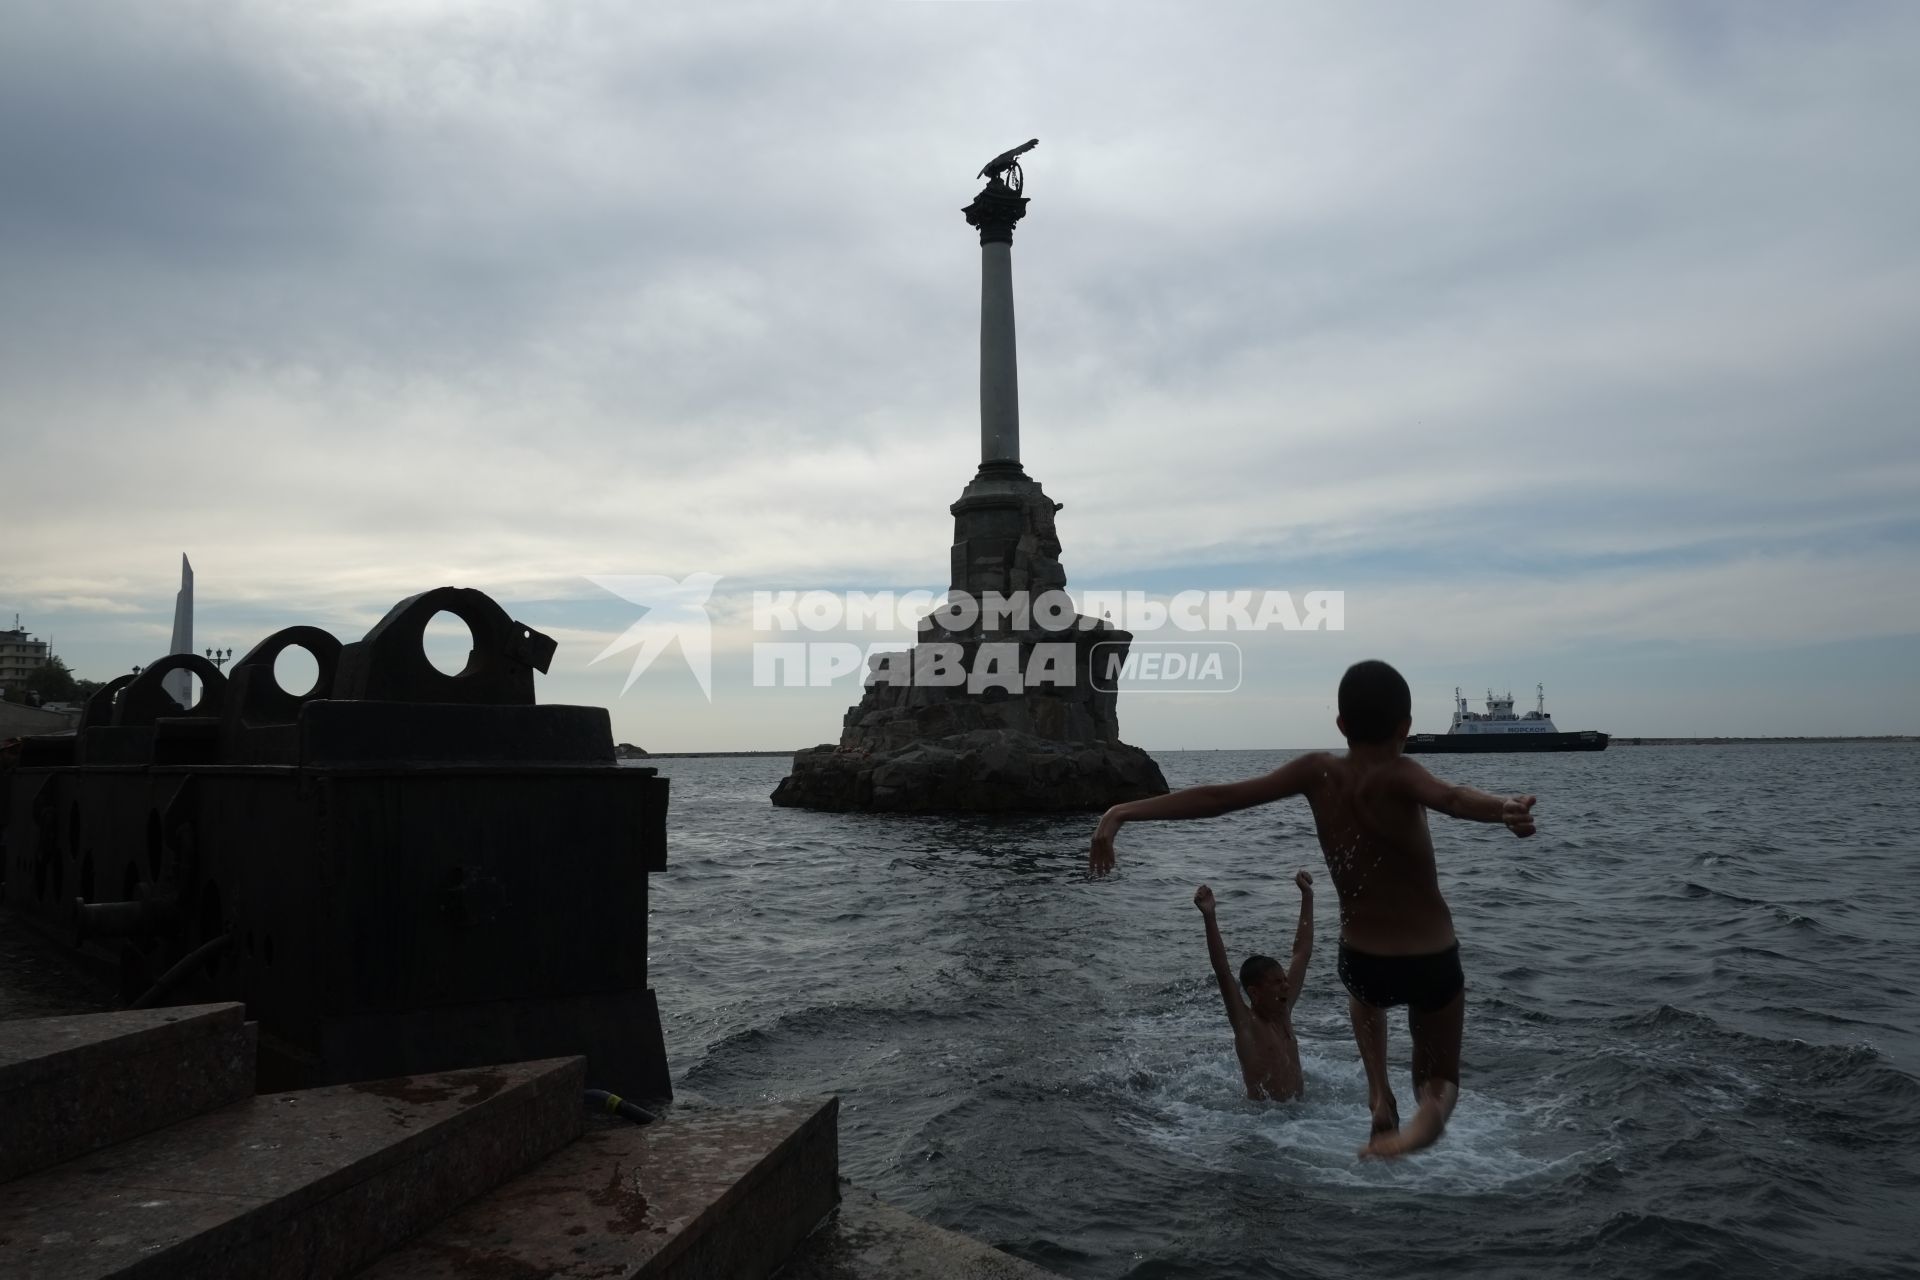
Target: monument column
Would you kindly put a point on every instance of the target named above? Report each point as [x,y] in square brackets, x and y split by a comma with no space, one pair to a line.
[1040,731]
[994,539]
[995,211]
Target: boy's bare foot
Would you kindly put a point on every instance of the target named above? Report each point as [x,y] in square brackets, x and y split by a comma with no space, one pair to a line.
[1385,1145]
[1386,1132]
[1428,1123]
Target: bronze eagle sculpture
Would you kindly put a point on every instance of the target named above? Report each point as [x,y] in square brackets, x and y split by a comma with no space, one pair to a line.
[1007,159]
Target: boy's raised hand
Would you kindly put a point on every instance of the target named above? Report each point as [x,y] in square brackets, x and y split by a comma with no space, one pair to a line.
[1517,813]
[1304,880]
[1203,899]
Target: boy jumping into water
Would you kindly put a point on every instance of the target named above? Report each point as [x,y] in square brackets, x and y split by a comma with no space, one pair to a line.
[1396,935]
[1263,1022]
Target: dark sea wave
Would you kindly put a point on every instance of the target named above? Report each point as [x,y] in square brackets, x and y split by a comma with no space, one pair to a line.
[1691,1046]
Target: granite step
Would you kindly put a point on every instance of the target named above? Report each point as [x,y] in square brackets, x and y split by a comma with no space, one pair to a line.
[700,1194]
[869,1239]
[69,1086]
[297,1186]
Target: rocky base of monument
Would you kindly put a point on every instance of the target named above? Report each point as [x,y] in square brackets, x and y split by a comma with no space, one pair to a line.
[978,771]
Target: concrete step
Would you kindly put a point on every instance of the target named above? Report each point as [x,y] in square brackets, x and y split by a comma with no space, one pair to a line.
[868,1239]
[69,1086]
[700,1194]
[298,1186]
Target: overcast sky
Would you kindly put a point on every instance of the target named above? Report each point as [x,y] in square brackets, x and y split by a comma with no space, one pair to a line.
[1575,343]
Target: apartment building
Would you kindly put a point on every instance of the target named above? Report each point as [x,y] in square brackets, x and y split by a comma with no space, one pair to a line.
[20,656]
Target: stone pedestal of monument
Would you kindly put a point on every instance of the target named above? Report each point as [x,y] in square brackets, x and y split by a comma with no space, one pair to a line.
[1009,711]
[1047,744]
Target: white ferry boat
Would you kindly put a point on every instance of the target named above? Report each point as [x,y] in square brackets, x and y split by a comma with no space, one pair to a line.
[1499,729]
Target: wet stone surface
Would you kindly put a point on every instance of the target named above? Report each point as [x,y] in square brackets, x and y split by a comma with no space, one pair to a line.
[313,1183]
[71,1085]
[700,1192]
[868,1239]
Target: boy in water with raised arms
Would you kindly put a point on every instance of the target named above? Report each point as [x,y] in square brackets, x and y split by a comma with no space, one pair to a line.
[1396,935]
[1263,1022]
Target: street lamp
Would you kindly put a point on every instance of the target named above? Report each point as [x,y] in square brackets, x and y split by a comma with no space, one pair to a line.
[219,657]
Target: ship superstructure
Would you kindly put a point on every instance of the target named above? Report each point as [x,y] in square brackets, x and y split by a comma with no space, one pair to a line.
[1499,716]
[1498,728]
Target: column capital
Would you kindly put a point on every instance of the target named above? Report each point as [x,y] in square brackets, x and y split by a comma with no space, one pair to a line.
[994,211]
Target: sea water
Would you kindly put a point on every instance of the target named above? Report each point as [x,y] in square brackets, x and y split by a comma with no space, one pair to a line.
[1690,1049]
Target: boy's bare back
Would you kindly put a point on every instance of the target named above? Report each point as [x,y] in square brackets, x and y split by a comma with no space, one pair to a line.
[1373,831]
[1368,811]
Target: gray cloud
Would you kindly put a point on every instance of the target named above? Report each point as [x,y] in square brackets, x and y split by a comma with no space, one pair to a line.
[347,300]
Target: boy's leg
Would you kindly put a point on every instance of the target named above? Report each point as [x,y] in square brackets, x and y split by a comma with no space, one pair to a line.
[1370,1031]
[1436,1043]
[1436,1076]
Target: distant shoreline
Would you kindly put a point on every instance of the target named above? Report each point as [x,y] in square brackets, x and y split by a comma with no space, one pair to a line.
[1617,741]
[698,755]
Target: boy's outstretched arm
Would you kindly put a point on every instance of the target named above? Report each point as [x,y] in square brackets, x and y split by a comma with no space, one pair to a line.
[1466,802]
[1302,940]
[1217,953]
[1209,801]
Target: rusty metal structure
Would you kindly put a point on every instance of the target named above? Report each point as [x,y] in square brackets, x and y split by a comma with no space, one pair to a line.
[398,870]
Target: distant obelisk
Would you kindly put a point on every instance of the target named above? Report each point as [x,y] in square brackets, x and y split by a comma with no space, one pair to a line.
[179,684]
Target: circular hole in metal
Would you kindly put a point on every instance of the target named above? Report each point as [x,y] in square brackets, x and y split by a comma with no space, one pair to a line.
[156,847]
[448,642]
[170,686]
[297,671]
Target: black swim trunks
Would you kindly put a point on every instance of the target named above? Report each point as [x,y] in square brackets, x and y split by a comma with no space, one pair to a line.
[1423,983]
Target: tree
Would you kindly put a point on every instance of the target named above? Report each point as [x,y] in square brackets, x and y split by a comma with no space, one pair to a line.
[53,682]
